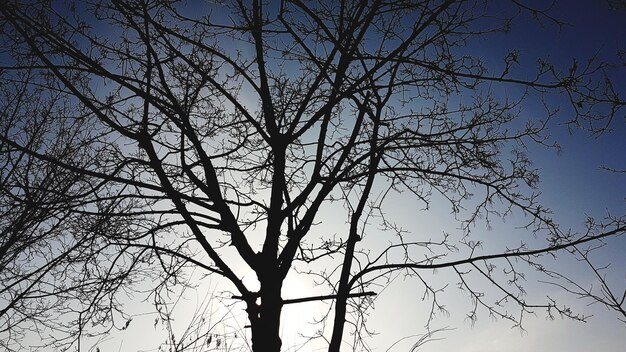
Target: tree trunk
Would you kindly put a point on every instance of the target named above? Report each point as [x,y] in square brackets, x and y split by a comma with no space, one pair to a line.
[265,318]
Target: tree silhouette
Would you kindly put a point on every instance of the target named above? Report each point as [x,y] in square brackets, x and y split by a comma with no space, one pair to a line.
[142,138]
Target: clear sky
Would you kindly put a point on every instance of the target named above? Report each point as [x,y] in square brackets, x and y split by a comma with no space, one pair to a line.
[573,185]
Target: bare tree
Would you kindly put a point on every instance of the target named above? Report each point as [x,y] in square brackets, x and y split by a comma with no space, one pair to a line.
[55,222]
[148,137]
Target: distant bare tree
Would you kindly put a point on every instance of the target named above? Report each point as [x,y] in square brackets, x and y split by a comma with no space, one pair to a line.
[141,138]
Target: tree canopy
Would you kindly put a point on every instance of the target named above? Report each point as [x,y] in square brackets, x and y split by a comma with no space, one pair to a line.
[143,139]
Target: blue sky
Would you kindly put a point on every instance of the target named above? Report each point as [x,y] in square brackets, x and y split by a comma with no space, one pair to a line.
[573,186]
